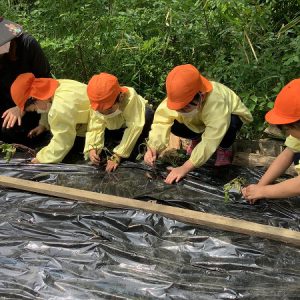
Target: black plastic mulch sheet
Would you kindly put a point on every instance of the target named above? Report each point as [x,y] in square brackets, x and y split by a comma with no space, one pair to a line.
[52,248]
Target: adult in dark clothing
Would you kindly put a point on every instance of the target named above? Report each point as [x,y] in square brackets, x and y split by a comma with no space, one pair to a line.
[19,53]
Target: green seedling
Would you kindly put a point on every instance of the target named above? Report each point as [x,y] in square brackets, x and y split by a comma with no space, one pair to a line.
[9,150]
[233,186]
[174,157]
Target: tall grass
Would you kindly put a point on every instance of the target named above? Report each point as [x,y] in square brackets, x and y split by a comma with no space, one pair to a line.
[251,46]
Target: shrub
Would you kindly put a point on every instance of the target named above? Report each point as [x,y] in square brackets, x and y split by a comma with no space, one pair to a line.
[250,46]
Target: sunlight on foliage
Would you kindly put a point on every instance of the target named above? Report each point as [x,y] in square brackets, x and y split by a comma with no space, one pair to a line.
[253,47]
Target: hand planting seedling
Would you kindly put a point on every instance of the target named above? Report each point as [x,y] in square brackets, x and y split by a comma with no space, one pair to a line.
[233,186]
[172,157]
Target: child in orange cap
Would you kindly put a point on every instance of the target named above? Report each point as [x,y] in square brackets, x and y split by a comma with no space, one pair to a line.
[196,108]
[286,115]
[119,114]
[64,108]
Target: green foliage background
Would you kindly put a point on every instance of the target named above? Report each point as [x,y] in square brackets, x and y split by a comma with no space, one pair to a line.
[251,46]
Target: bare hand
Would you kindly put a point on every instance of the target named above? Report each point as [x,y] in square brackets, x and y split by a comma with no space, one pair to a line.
[175,174]
[150,157]
[178,173]
[11,116]
[35,161]
[94,157]
[111,166]
[253,192]
[36,131]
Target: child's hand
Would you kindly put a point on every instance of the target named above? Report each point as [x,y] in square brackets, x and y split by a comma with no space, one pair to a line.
[36,131]
[178,173]
[112,163]
[35,161]
[111,166]
[150,157]
[94,157]
[253,192]
[11,116]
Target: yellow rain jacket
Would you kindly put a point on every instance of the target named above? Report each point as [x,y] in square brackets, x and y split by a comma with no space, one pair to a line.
[67,117]
[213,120]
[132,118]
[294,144]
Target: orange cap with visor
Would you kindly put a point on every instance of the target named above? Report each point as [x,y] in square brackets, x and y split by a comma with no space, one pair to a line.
[103,90]
[26,86]
[287,105]
[182,84]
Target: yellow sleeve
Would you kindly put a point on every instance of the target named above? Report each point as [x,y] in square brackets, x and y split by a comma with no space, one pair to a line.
[161,127]
[44,120]
[94,138]
[293,143]
[63,129]
[216,118]
[225,96]
[134,115]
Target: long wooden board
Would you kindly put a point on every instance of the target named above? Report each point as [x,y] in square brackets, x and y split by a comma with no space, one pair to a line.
[180,214]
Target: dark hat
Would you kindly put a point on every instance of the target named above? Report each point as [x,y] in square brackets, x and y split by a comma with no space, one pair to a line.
[9,30]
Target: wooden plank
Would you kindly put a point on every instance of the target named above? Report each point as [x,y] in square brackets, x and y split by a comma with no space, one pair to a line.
[180,214]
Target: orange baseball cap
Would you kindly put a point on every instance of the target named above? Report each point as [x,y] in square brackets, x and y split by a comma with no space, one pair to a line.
[103,90]
[287,105]
[26,86]
[183,83]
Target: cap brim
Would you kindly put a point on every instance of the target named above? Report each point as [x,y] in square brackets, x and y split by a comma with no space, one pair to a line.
[276,119]
[43,89]
[21,107]
[206,85]
[96,105]
[123,89]
[177,105]
[100,106]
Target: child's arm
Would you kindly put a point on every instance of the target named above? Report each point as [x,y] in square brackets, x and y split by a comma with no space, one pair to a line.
[94,139]
[134,118]
[63,129]
[264,189]
[285,189]
[278,167]
[161,127]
